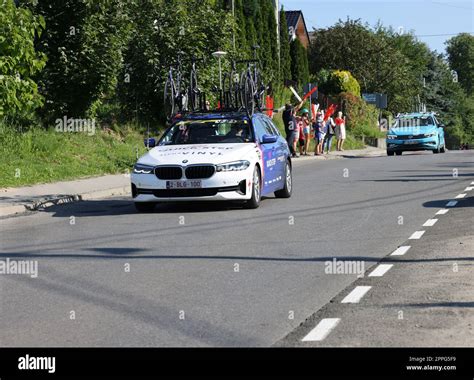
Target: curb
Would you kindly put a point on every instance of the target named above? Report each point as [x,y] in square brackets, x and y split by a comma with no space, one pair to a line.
[63,199]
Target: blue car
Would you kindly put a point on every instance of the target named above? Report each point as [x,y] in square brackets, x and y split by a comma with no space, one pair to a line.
[415,132]
[214,156]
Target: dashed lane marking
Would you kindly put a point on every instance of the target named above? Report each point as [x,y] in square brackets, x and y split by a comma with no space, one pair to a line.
[452,204]
[469,188]
[381,270]
[442,212]
[322,330]
[430,223]
[401,250]
[417,235]
[356,295]
[461,196]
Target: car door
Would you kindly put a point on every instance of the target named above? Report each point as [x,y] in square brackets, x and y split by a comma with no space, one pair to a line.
[269,154]
[282,151]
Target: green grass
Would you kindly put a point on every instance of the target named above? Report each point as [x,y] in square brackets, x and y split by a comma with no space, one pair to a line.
[42,156]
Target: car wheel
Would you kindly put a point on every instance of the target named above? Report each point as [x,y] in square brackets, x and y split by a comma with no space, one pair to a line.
[399,153]
[145,206]
[254,202]
[438,149]
[443,149]
[288,188]
[390,153]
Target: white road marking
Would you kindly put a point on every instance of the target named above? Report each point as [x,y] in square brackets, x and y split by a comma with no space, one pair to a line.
[430,223]
[461,196]
[442,212]
[472,183]
[381,270]
[452,204]
[469,188]
[322,330]
[401,250]
[417,235]
[356,295]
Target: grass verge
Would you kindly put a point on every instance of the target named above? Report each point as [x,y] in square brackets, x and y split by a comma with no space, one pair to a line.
[43,156]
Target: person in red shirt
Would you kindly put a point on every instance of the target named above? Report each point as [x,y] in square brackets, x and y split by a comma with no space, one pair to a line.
[340,131]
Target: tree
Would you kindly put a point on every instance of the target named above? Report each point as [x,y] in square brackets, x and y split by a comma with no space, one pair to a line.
[299,62]
[19,62]
[84,40]
[285,57]
[338,81]
[461,59]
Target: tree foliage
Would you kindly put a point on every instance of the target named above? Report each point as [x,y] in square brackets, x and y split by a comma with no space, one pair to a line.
[19,62]
[461,59]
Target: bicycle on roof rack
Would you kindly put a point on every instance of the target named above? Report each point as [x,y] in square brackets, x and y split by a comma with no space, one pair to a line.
[175,97]
[197,98]
[231,87]
[252,89]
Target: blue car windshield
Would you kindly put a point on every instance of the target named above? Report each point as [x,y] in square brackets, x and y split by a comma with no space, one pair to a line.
[407,122]
[208,132]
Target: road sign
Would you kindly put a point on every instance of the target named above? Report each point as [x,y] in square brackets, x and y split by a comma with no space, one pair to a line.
[378,100]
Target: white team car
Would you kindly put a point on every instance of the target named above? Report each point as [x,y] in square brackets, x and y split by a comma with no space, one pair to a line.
[214,157]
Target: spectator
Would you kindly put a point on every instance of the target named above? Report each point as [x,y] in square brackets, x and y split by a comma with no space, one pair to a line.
[330,132]
[318,127]
[306,130]
[289,123]
[291,126]
[340,131]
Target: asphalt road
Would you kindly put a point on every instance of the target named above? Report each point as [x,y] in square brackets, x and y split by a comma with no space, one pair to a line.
[211,274]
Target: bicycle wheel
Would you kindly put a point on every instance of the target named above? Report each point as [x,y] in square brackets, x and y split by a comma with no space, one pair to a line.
[169,99]
[260,93]
[193,92]
[248,93]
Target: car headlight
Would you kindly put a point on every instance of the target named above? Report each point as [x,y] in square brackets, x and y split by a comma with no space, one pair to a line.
[391,137]
[143,169]
[431,134]
[233,166]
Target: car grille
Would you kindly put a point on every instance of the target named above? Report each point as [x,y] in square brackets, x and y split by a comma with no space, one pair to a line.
[169,172]
[200,172]
[410,137]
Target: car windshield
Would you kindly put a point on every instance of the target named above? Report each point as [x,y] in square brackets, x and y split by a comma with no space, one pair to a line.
[208,132]
[406,122]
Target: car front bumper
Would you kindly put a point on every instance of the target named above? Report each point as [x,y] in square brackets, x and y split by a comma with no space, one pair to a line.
[430,143]
[223,186]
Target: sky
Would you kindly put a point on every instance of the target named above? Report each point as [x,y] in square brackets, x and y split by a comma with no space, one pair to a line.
[433,22]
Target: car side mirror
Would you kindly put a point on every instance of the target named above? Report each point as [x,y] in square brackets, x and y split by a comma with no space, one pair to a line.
[442,126]
[269,139]
[150,143]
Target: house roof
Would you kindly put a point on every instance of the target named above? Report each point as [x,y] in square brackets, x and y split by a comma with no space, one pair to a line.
[292,19]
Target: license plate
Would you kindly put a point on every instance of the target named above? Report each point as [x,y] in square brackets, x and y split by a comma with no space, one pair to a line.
[411,142]
[184,184]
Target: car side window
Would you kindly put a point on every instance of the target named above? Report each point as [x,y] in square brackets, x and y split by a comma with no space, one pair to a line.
[271,129]
[260,128]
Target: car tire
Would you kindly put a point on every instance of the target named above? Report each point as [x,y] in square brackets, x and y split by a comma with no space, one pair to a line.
[390,153]
[145,207]
[399,153]
[438,149]
[443,149]
[288,188]
[254,202]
